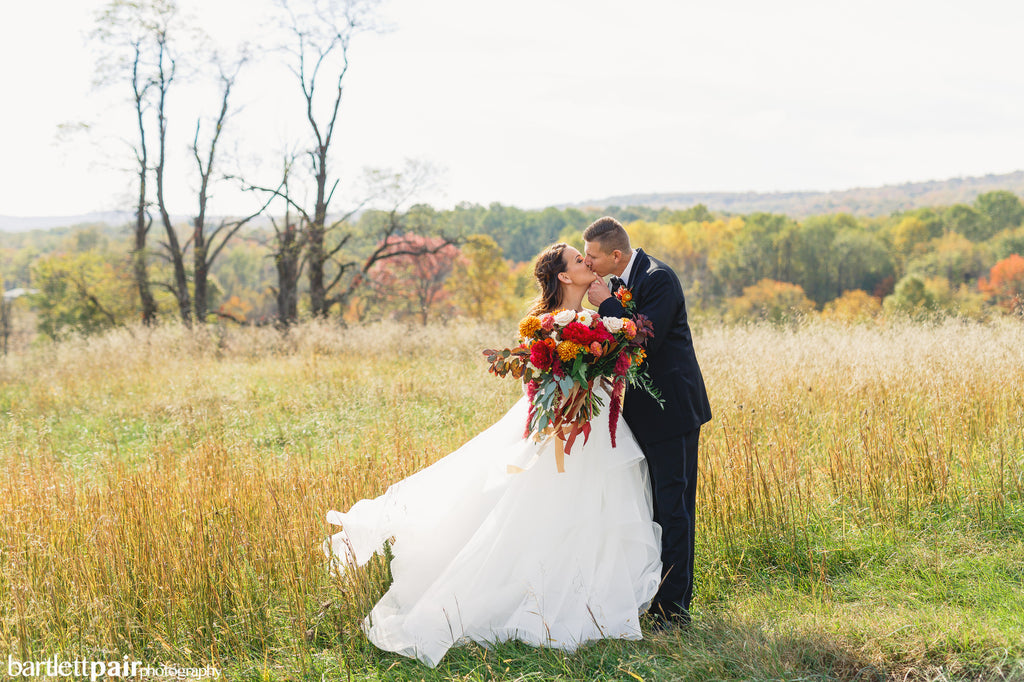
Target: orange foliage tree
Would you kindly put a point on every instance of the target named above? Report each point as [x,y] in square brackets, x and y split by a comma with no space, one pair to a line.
[411,281]
[770,300]
[1005,283]
[853,306]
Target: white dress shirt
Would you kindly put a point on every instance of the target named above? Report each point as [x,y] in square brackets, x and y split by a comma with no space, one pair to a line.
[628,271]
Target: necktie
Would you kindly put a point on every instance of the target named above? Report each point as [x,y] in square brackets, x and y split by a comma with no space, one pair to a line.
[616,283]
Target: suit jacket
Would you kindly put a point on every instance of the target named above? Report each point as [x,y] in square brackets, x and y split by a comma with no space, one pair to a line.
[671,361]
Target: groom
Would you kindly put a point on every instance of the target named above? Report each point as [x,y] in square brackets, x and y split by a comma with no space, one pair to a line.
[668,437]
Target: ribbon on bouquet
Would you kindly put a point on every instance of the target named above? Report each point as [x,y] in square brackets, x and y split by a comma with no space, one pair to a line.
[563,443]
[543,438]
[568,415]
[558,435]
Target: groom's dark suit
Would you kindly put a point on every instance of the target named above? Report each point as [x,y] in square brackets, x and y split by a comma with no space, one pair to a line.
[668,436]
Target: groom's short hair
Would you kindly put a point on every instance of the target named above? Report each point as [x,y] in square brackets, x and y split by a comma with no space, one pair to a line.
[609,233]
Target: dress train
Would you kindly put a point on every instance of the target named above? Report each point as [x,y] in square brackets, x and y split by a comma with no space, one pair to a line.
[492,543]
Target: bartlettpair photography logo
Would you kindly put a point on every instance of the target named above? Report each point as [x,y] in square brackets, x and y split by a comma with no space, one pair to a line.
[124,669]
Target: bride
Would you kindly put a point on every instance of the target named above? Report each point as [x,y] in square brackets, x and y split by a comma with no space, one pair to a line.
[492,543]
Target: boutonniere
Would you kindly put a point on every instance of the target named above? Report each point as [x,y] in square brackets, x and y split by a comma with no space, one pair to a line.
[625,296]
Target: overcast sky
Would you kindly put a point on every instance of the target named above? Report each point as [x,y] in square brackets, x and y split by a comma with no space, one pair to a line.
[540,102]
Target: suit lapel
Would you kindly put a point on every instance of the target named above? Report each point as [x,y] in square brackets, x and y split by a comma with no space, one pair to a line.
[639,273]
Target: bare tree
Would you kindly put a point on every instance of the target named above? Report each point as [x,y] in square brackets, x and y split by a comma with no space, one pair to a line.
[205,247]
[321,33]
[144,39]
[143,220]
[166,67]
[288,244]
[321,38]
[357,249]
[287,255]
[124,28]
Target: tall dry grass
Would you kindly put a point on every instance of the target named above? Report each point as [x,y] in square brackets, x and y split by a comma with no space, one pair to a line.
[165,489]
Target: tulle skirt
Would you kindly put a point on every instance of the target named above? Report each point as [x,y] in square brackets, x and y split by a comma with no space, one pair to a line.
[492,543]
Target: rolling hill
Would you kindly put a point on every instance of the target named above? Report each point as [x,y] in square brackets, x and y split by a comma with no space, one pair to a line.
[864,201]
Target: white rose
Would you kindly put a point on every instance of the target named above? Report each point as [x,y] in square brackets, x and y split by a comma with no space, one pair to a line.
[564,317]
[585,317]
[612,324]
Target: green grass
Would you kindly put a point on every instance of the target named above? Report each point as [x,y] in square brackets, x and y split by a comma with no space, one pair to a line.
[860,509]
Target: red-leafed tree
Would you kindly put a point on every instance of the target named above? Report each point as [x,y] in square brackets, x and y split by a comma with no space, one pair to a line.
[410,279]
[1005,283]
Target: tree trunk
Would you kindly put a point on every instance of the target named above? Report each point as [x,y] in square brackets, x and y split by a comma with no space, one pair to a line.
[140,270]
[315,240]
[199,276]
[139,267]
[287,260]
[180,286]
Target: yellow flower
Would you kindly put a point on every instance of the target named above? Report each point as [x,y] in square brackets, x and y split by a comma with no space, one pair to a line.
[529,327]
[568,350]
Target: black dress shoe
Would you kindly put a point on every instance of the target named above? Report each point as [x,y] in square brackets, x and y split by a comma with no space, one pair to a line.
[671,620]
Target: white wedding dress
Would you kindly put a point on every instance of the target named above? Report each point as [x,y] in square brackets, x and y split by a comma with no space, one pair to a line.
[492,543]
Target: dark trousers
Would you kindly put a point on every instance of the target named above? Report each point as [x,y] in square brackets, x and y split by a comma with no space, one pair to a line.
[673,467]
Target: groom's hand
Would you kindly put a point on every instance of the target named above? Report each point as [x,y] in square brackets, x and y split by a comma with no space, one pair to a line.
[598,292]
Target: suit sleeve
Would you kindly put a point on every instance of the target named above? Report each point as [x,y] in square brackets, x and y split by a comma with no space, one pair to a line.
[660,303]
[611,307]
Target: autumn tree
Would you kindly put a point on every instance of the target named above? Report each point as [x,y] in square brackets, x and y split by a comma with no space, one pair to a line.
[811,261]
[968,221]
[921,298]
[710,242]
[755,253]
[772,301]
[856,305]
[908,237]
[1003,209]
[481,280]
[1005,284]
[861,261]
[951,256]
[411,279]
[81,292]
[1007,243]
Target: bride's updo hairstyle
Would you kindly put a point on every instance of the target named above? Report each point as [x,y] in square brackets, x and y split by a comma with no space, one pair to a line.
[546,270]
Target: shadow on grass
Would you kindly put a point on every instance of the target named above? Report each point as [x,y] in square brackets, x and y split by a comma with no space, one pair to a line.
[712,648]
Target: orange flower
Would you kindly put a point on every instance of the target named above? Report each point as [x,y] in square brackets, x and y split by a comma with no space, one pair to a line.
[627,295]
[529,326]
[568,350]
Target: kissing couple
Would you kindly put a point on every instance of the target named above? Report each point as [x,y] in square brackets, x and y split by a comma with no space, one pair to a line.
[494,543]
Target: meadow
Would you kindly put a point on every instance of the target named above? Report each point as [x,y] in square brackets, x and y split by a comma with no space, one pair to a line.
[861,502]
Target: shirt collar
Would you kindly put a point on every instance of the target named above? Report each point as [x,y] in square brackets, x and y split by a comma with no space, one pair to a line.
[627,273]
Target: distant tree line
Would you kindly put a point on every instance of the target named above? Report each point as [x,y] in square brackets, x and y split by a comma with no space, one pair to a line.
[965,260]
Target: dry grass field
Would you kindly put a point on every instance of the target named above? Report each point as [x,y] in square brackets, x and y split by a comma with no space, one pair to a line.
[163,498]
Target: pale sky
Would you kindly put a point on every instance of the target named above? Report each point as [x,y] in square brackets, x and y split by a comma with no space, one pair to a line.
[540,102]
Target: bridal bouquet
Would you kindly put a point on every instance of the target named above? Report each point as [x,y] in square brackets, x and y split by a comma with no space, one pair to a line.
[562,357]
